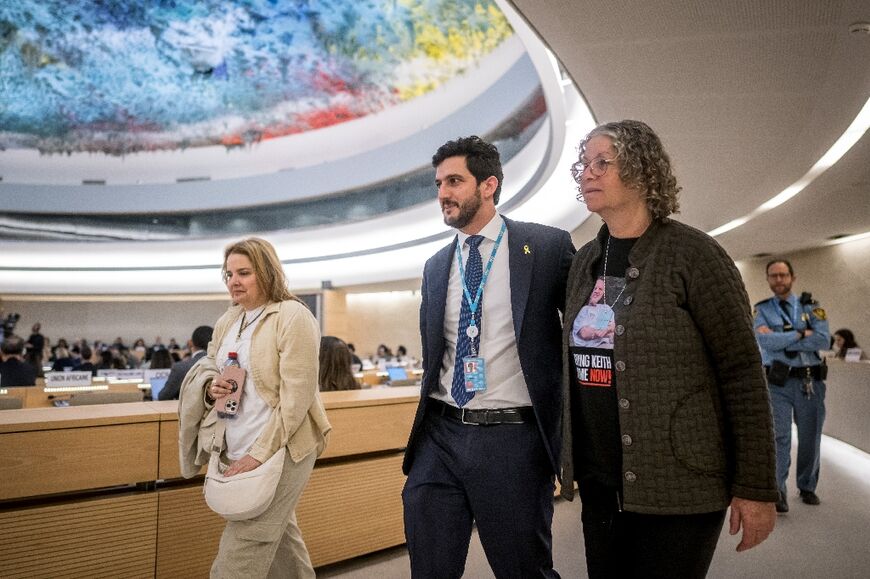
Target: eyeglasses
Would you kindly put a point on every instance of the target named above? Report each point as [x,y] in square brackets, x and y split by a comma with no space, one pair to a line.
[597,167]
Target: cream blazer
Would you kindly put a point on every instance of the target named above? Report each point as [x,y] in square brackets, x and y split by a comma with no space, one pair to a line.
[284,365]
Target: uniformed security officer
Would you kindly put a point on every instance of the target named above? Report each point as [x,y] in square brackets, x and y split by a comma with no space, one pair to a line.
[790,332]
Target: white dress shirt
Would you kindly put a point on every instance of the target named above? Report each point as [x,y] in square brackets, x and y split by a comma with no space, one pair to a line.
[505,385]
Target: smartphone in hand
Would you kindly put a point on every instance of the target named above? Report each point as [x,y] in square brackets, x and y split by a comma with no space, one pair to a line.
[229,404]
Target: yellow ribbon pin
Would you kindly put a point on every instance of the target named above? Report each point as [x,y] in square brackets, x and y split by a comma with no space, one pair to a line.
[526,249]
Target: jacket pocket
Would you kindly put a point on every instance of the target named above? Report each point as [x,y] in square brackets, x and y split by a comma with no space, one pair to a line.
[696,434]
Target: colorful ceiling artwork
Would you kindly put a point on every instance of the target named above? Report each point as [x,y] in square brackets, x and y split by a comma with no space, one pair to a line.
[125,76]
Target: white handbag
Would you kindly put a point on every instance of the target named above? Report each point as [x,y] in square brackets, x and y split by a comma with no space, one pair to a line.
[241,496]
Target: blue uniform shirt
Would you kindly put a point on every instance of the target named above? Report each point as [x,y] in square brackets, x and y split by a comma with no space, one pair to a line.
[774,346]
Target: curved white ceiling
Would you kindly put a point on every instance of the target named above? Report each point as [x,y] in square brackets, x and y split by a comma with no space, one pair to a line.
[537,188]
[349,155]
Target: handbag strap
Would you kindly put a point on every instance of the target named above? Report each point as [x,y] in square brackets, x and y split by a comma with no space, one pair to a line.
[217,440]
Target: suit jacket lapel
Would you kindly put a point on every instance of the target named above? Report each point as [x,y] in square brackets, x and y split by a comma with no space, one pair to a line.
[438,297]
[521,260]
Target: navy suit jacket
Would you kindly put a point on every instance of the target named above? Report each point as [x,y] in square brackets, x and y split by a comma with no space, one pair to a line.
[540,257]
[176,376]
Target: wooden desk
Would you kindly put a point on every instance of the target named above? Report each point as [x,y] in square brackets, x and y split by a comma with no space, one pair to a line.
[103,495]
[42,397]
[847,402]
[60,450]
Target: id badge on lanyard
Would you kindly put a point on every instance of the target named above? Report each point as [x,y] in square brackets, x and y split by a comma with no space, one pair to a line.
[475,373]
[474,366]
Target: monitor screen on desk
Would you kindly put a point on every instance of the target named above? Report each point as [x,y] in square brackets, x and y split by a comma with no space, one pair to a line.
[157,385]
[397,374]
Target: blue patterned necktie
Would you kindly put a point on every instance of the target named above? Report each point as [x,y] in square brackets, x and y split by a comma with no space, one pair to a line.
[473,273]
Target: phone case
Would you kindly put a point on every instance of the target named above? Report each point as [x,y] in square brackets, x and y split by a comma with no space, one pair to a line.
[229,404]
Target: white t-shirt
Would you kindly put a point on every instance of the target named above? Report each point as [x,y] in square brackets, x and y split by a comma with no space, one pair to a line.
[243,430]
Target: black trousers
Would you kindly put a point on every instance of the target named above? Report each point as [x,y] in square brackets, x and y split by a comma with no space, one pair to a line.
[497,476]
[627,545]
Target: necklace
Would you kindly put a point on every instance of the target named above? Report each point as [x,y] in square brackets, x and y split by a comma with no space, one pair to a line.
[604,297]
[244,326]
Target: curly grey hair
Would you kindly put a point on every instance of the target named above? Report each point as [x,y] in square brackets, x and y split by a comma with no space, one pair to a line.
[643,163]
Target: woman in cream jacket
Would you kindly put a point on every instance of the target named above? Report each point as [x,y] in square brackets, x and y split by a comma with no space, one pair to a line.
[276,339]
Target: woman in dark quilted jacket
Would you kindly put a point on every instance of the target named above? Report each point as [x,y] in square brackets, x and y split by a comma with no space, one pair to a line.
[668,425]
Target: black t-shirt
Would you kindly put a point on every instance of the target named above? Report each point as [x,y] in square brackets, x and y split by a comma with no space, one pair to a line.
[594,412]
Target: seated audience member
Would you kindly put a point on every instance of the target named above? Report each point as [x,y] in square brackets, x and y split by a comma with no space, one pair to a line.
[384,352]
[160,359]
[119,361]
[61,343]
[63,360]
[335,361]
[175,350]
[354,358]
[156,347]
[14,371]
[403,358]
[87,364]
[76,354]
[105,359]
[198,344]
[843,340]
[139,348]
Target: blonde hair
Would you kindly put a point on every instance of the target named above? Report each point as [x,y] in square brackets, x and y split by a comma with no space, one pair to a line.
[267,267]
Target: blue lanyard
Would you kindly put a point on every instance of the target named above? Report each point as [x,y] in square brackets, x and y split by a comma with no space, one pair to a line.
[473,304]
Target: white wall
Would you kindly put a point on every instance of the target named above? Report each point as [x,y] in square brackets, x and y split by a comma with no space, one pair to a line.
[838,276]
[390,318]
[105,320]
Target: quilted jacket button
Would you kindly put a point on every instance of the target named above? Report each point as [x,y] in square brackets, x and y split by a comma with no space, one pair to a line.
[630,476]
[628,300]
[626,440]
[620,329]
[624,403]
[620,365]
[633,272]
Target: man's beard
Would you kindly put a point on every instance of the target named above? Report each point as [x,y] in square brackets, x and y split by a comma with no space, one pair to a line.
[467,211]
[782,290]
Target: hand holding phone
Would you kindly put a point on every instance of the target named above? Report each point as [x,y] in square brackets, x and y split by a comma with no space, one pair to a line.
[229,405]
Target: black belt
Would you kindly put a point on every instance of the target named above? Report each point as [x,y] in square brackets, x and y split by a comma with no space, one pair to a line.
[483,416]
[815,372]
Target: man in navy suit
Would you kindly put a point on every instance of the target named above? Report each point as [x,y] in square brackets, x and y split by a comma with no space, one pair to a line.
[484,446]
[198,345]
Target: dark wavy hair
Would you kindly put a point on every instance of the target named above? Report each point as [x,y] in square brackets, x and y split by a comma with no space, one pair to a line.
[335,361]
[643,163]
[848,341]
[482,159]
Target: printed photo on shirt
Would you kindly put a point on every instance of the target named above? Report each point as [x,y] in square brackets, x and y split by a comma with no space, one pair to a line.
[595,325]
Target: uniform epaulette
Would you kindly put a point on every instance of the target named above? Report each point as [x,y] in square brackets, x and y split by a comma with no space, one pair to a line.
[761,302]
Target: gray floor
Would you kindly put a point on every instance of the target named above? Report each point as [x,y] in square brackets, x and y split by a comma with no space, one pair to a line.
[831,541]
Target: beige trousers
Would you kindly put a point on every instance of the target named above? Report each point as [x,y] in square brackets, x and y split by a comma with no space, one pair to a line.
[270,545]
